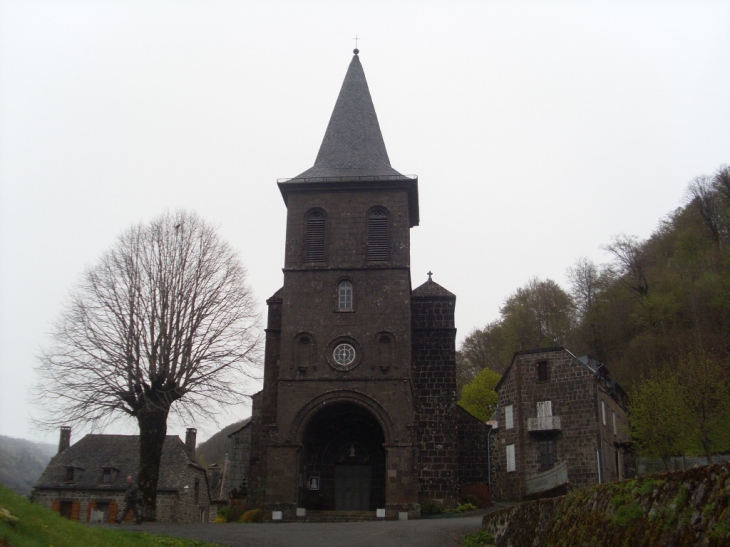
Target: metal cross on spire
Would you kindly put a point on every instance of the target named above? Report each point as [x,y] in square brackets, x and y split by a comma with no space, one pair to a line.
[429,275]
[356,38]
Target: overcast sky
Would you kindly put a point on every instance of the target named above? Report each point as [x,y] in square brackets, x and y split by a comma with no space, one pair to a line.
[537,129]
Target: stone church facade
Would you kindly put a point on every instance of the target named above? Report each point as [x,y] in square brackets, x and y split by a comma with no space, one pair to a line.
[358,411]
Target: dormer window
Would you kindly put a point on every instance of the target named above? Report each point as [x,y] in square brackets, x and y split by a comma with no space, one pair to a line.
[344,296]
[69,474]
[108,475]
[378,237]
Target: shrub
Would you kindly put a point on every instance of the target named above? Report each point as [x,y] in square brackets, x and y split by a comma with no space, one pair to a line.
[432,507]
[254,515]
[230,513]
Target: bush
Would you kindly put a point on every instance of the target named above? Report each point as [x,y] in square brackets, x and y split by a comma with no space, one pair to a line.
[230,513]
[432,507]
[254,515]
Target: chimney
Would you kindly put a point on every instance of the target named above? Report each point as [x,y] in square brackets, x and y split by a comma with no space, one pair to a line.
[190,436]
[64,440]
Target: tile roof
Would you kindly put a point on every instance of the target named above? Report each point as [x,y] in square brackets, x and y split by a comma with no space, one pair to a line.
[120,452]
[429,289]
[353,145]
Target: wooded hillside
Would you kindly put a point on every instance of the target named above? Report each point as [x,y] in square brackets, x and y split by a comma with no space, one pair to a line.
[655,300]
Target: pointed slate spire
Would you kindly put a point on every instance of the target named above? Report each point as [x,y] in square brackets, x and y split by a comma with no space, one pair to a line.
[353,145]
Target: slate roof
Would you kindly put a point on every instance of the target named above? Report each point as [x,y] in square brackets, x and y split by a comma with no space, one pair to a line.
[353,145]
[431,289]
[93,453]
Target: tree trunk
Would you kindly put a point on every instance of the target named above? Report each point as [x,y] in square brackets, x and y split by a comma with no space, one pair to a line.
[152,432]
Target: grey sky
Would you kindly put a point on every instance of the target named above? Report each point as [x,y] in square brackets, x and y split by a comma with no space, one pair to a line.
[537,130]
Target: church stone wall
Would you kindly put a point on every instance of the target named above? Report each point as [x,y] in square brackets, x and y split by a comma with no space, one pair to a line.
[434,387]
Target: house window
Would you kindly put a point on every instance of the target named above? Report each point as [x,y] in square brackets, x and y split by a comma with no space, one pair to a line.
[547,455]
[509,422]
[603,412]
[542,371]
[107,475]
[544,409]
[69,474]
[511,464]
[344,296]
[196,496]
[314,237]
[378,240]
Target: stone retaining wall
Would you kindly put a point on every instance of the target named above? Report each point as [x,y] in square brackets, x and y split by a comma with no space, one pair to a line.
[685,508]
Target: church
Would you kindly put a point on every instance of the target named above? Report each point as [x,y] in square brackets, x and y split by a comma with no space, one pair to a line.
[358,408]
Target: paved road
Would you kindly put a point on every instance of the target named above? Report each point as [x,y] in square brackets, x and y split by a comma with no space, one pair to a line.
[443,532]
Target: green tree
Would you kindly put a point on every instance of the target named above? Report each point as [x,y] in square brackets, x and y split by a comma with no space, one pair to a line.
[538,315]
[659,423]
[705,396]
[478,396]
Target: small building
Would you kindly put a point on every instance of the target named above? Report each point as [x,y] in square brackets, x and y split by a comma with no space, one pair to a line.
[86,481]
[562,423]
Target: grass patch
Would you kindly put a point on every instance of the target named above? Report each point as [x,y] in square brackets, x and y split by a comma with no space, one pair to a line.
[41,527]
[477,540]
[626,514]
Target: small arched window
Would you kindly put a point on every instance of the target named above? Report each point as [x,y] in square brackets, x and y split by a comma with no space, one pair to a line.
[344,296]
[303,352]
[314,237]
[386,350]
[378,240]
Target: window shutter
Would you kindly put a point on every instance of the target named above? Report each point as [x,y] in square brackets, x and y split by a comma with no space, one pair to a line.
[92,506]
[56,506]
[314,237]
[75,510]
[112,511]
[544,409]
[378,241]
[511,464]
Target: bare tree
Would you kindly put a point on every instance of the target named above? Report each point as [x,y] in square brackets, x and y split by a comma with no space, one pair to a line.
[631,263]
[164,322]
[585,282]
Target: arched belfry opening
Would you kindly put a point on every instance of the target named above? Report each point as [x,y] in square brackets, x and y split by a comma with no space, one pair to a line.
[343,460]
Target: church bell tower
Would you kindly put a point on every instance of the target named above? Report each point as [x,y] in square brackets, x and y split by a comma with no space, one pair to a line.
[336,426]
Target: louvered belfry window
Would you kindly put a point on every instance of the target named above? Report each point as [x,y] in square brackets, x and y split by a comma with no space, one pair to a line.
[378,241]
[314,237]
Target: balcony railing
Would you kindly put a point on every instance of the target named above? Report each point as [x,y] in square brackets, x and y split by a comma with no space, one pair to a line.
[543,424]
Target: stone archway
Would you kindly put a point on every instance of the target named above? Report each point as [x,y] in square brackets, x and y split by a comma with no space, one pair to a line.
[343,460]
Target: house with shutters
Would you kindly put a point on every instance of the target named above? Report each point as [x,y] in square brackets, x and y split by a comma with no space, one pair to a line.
[562,423]
[358,408]
[86,481]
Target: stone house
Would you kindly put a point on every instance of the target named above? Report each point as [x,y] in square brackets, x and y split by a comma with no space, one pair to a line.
[357,411]
[86,481]
[562,423]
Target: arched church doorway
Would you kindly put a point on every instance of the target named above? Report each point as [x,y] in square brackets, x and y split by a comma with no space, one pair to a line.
[343,460]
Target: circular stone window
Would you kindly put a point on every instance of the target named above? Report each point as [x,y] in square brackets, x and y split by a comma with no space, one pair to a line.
[344,355]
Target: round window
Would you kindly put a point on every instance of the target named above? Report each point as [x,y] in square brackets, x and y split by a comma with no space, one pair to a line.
[344,354]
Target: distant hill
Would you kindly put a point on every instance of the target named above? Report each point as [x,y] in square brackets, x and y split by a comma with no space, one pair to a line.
[214,450]
[22,462]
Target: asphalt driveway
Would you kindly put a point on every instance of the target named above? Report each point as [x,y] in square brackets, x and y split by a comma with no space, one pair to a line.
[441,532]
